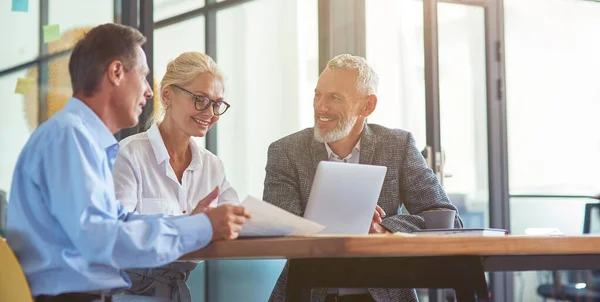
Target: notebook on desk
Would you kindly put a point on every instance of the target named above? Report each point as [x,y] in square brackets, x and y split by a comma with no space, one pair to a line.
[463,232]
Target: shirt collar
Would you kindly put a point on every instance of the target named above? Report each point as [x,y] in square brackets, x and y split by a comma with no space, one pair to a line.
[94,124]
[158,145]
[331,154]
[160,150]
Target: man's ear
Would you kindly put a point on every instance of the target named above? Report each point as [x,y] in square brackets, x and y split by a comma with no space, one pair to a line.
[370,105]
[115,72]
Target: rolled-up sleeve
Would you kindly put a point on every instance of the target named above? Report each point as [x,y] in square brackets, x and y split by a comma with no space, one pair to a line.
[85,207]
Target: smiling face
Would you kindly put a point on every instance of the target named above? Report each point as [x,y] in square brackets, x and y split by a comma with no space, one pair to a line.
[181,109]
[337,104]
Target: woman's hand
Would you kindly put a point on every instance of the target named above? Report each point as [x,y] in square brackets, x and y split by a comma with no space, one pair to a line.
[204,204]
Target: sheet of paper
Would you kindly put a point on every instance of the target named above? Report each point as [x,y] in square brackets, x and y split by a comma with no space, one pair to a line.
[51,32]
[268,220]
[20,5]
[25,86]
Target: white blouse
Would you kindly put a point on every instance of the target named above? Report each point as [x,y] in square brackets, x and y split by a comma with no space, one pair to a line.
[146,183]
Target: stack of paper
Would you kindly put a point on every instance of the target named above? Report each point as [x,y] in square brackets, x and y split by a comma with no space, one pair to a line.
[268,220]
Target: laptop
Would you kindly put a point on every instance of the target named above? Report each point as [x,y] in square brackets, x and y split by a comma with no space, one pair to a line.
[343,197]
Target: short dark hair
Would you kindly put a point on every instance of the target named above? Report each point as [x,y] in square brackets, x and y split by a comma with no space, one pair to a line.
[102,45]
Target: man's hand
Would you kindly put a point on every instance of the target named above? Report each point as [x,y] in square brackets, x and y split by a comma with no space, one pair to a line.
[376,227]
[227,221]
[204,204]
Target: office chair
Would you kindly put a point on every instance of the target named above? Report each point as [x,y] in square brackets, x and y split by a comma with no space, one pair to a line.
[13,285]
[582,285]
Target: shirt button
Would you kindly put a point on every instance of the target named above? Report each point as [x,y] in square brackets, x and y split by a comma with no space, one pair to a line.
[184,211]
[345,160]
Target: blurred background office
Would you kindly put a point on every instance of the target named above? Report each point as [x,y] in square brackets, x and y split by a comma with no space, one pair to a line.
[502,96]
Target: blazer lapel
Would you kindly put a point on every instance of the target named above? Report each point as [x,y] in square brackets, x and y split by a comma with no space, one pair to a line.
[318,153]
[368,142]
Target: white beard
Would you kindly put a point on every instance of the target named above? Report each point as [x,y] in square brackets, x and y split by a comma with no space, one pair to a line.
[342,130]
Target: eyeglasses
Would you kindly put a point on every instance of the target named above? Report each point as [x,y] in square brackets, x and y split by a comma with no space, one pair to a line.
[202,102]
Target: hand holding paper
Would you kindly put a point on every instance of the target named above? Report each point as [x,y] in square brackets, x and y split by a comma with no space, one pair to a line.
[227,221]
[269,220]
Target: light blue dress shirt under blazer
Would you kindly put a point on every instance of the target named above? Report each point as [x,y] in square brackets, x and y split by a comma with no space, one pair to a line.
[64,224]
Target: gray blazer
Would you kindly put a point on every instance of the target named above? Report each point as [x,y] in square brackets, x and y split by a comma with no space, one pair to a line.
[291,166]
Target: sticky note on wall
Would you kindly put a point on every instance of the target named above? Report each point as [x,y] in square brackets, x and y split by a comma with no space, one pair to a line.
[51,33]
[25,86]
[20,5]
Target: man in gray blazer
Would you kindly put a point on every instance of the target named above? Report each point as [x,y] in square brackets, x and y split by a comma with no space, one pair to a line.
[344,98]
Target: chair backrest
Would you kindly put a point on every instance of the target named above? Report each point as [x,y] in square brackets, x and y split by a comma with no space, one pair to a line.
[13,284]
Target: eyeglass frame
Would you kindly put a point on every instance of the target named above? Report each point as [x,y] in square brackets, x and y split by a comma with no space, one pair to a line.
[209,104]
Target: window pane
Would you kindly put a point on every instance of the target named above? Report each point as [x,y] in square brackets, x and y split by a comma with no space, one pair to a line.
[170,42]
[18,118]
[164,9]
[553,102]
[72,28]
[463,114]
[270,91]
[553,98]
[20,34]
[394,33]
[268,50]
[89,13]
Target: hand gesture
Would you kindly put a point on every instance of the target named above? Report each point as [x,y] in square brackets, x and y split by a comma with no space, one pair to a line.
[204,204]
[227,221]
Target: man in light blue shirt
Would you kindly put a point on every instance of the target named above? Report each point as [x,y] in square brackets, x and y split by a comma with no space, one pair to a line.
[72,238]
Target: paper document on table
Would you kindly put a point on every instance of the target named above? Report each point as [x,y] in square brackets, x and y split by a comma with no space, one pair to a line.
[268,220]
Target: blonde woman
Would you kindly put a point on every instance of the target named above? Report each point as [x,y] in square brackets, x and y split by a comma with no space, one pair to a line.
[164,171]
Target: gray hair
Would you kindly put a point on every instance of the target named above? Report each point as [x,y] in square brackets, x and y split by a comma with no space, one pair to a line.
[366,77]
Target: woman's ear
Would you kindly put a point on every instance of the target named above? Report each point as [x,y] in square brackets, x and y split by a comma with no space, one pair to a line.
[370,105]
[166,96]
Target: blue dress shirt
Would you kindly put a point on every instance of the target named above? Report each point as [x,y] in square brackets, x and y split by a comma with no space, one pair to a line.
[64,224]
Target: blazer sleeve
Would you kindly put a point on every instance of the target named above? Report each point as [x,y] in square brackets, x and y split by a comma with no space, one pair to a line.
[421,191]
[281,186]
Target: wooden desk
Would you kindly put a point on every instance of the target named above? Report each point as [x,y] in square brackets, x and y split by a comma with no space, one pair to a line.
[410,261]
[392,245]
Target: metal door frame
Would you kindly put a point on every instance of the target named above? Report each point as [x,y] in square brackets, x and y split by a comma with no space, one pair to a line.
[499,211]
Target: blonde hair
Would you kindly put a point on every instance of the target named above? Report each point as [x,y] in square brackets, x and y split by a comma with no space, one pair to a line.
[366,77]
[182,70]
